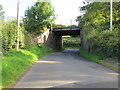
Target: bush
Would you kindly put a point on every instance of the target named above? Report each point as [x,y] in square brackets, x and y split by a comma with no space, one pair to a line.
[96,28]
[9,35]
[106,43]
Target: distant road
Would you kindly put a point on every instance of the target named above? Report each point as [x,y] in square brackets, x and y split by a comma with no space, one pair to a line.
[67,69]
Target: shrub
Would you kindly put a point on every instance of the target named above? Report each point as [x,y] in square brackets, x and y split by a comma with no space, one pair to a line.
[9,35]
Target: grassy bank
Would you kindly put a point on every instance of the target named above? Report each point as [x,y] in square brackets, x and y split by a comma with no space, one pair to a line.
[98,59]
[15,63]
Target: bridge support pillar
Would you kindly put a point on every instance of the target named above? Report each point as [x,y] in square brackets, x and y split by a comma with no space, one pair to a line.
[56,41]
[84,43]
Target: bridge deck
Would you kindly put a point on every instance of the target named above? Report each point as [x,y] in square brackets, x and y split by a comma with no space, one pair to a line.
[65,28]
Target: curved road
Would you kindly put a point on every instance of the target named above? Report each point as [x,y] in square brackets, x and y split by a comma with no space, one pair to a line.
[67,69]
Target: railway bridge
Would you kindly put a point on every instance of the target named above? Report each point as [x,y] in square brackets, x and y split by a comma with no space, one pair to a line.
[53,37]
[58,32]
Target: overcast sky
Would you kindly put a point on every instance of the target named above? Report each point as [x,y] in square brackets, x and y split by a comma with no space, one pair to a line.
[65,9]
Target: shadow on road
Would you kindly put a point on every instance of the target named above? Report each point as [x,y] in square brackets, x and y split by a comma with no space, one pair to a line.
[68,69]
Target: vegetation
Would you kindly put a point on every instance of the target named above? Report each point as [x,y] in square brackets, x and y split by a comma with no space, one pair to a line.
[15,62]
[58,25]
[96,28]
[39,17]
[91,56]
[1,20]
[71,42]
[9,35]
[1,13]
[98,59]
[102,42]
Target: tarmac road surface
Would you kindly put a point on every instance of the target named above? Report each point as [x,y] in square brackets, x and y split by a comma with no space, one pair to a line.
[67,69]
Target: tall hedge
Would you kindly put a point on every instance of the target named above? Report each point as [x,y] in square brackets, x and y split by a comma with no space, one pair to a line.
[97,27]
[9,35]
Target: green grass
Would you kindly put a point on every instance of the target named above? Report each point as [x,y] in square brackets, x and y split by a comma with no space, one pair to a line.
[15,63]
[0,71]
[71,42]
[98,59]
[108,65]
[91,56]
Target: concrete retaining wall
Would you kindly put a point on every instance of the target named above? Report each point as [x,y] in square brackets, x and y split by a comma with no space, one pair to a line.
[49,39]
[84,43]
[42,39]
[54,40]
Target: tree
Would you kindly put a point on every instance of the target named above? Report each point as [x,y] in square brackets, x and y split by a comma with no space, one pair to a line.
[9,35]
[1,20]
[97,24]
[38,17]
[58,25]
[1,12]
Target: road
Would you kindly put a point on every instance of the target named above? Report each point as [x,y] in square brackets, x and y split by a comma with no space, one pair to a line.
[67,69]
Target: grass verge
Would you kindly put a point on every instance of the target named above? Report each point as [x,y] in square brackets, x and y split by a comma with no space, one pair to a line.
[98,59]
[15,63]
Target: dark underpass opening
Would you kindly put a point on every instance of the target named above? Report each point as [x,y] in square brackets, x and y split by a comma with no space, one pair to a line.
[71,42]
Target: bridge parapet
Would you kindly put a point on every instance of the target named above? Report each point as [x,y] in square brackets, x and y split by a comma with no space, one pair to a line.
[65,28]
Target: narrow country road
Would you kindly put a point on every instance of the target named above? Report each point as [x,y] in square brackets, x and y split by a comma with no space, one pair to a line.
[67,69]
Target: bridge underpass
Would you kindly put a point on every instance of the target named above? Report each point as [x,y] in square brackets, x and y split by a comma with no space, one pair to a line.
[66,69]
[58,32]
[53,37]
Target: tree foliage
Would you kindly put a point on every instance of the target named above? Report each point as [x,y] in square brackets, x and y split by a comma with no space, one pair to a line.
[9,35]
[96,27]
[1,12]
[1,15]
[38,17]
[58,25]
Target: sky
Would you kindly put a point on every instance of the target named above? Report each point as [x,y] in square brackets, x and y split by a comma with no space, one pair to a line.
[66,10]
